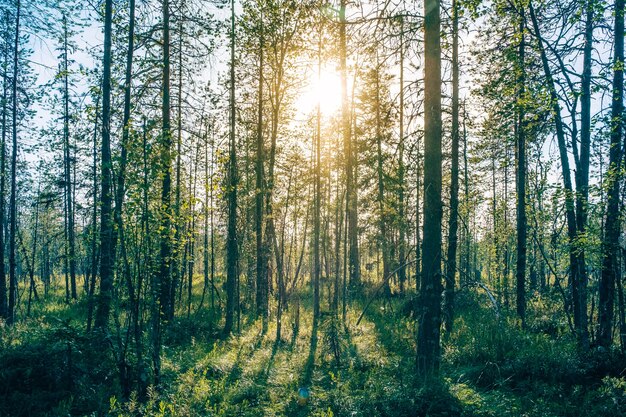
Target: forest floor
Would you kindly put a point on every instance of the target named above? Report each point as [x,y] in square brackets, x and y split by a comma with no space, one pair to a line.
[489,367]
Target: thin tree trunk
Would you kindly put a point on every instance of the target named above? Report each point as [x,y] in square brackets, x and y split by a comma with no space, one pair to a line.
[205,248]
[232,249]
[106,222]
[579,291]
[610,245]
[121,173]
[351,192]
[94,221]
[176,268]
[382,218]
[468,236]
[317,196]
[32,291]
[3,156]
[165,252]
[428,346]
[522,226]
[262,296]
[401,203]
[71,241]
[454,178]
[572,230]
[13,197]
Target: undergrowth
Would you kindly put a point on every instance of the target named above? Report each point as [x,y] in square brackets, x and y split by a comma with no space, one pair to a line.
[490,367]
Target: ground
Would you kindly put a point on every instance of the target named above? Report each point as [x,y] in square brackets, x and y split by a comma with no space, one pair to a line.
[489,367]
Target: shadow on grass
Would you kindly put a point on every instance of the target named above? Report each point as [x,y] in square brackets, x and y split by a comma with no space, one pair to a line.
[237,369]
[309,366]
[386,334]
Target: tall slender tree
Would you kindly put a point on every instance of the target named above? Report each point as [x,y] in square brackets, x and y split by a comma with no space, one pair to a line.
[454,177]
[165,252]
[349,154]
[317,202]
[232,247]
[13,196]
[106,196]
[610,244]
[67,162]
[428,336]
[261,267]
[5,110]
[579,291]
[521,175]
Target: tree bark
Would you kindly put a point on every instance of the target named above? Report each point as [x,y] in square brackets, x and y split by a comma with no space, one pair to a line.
[401,171]
[232,248]
[69,204]
[317,196]
[262,296]
[579,291]
[572,229]
[610,244]
[428,337]
[522,226]
[106,223]
[351,192]
[382,217]
[3,155]
[454,178]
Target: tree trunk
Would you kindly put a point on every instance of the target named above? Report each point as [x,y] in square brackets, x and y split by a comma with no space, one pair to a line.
[579,291]
[13,197]
[106,223]
[610,245]
[382,218]
[317,196]
[572,231]
[94,222]
[176,267]
[428,346]
[3,157]
[232,249]
[69,204]
[262,296]
[401,203]
[522,226]
[351,192]
[454,178]
[165,250]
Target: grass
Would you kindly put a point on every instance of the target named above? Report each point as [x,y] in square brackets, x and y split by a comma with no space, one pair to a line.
[489,367]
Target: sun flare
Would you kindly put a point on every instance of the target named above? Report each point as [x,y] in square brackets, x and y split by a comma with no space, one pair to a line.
[324,89]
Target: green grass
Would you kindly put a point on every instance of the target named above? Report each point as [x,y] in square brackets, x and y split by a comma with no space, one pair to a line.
[489,366]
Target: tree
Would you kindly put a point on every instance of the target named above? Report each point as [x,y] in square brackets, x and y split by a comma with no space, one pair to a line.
[454,181]
[610,244]
[522,226]
[428,343]
[6,52]
[106,197]
[317,204]
[232,248]
[13,196]
[165,249]
[67,163]
[349,155]
[262,293]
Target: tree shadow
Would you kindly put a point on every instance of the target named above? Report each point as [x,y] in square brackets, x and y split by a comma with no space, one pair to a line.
[263,375]
[309,366]
[384,332]
[237,369]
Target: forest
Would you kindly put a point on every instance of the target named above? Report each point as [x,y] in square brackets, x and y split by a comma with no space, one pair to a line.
[312,208]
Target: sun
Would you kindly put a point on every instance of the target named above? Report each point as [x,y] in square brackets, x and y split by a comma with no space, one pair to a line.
[324,89]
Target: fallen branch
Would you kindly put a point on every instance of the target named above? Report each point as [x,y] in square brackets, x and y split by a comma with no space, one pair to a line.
[385,281]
